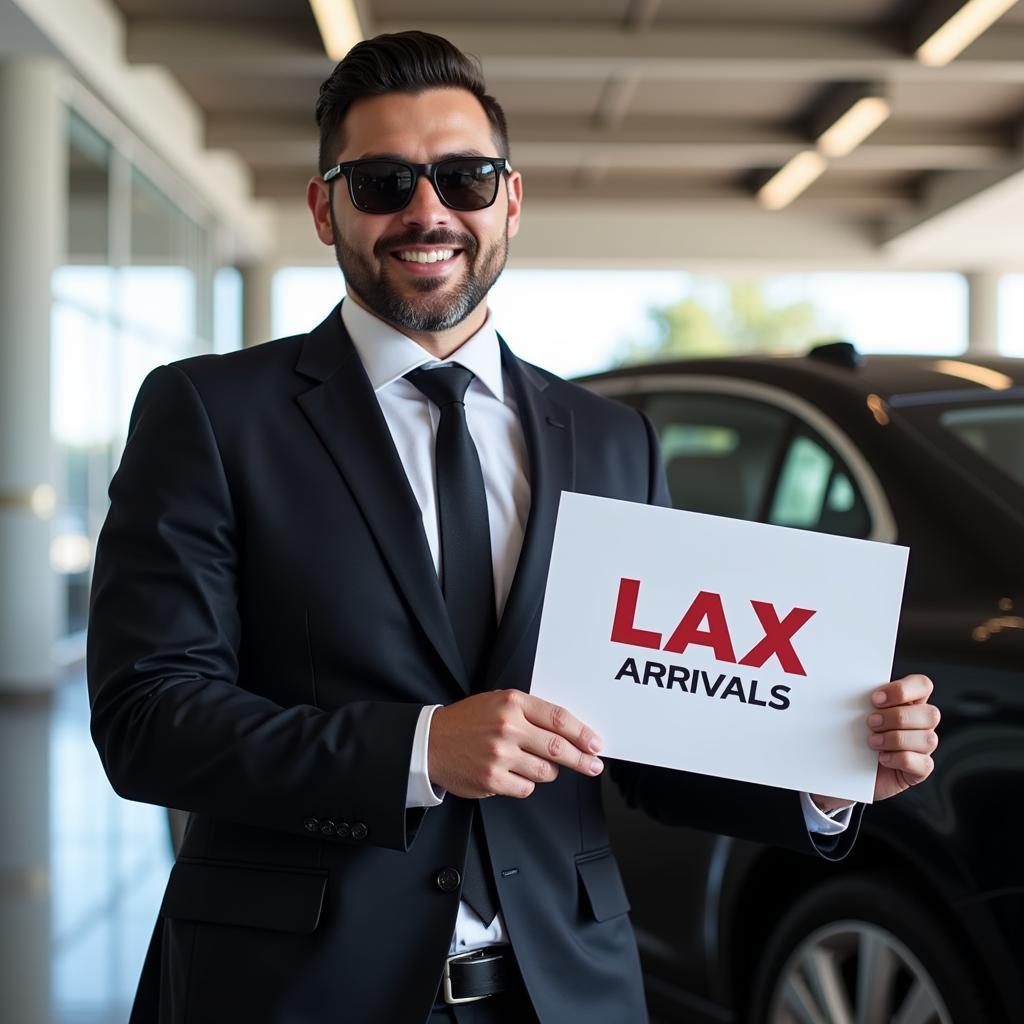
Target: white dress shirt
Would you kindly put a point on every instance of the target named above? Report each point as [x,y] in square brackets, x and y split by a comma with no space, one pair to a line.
[493,421]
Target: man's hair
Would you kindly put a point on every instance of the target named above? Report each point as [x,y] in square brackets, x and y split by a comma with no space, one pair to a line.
[409,62]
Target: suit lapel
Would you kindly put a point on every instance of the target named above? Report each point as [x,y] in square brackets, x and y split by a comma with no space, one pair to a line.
[345,413]
[548,430]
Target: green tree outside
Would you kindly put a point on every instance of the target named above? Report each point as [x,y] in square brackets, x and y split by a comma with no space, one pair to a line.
[740,318]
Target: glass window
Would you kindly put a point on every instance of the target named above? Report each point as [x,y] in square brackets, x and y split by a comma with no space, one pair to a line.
[994,432]
[814,492]
[1011,315]
[81,366]
[301,297]
[158,289]
[135,289]
[719,451]
[227,310]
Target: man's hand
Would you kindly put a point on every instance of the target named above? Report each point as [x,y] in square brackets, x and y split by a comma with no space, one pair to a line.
[504,742]
[902,730]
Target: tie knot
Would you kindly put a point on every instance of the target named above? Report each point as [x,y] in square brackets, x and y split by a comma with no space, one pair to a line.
[443,385]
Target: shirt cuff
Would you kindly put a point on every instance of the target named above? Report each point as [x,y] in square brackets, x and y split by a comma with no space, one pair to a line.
[816,820]
[421,791]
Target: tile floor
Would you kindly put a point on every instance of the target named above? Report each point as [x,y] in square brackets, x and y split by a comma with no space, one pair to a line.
[73,948]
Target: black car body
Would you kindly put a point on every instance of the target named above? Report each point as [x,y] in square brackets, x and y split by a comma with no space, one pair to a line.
[924,921]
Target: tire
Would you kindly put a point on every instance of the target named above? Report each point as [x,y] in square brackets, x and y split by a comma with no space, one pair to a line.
[858,950]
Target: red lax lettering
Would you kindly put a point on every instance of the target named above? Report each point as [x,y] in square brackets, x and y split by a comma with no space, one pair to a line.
[623,630]
[705,606]
[777,638]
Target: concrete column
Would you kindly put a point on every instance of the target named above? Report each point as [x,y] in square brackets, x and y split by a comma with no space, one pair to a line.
[983,313]
[33,186]
[25,971]
[257,303]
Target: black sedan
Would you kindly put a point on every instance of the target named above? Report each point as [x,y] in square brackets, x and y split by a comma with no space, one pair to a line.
[924,922]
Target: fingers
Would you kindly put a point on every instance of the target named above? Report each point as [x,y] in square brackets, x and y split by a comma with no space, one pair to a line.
[913,689]
[557,736]
[921,741]
[558,749]
[914,767]
[913,716]
[905,728]
[556,719]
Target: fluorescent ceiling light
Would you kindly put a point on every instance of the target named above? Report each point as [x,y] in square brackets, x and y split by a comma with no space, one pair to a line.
[788,182]
[339,26]
[955,34]
[977,374]
[851,128]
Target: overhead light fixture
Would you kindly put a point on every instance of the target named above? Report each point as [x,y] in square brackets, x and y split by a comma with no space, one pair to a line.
[957,31]
[785,184]
[851,128]
[339,26]
[844,114]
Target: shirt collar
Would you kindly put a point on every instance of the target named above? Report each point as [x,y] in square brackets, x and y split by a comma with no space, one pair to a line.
[388,355]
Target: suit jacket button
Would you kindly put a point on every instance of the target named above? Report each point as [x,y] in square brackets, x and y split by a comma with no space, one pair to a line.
[359,830]
[311,824]
[343,829]
[327,828]
[448,879]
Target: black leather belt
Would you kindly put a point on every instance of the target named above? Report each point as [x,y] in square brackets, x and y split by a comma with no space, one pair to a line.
[478,974]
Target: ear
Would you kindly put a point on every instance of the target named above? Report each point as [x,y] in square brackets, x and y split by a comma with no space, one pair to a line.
[515,202]
[318,199]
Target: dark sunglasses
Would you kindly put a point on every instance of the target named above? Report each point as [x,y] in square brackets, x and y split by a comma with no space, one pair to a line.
[386,186]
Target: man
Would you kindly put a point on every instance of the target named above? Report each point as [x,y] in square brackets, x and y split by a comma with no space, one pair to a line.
[315,609]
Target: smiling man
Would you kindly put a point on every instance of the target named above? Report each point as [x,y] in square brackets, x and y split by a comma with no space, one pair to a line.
[315,610]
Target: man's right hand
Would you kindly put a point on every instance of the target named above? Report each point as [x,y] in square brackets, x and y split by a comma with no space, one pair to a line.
[504,742]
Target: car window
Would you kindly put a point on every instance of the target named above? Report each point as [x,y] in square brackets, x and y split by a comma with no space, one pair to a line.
[719,450]
[814,491]
[994,432]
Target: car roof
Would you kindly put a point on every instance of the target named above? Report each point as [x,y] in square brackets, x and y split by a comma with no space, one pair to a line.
[886,376]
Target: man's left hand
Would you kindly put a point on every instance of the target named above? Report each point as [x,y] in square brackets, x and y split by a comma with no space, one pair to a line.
[902,730]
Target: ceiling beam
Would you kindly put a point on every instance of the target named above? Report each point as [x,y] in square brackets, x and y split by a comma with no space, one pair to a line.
[671,144]
[564,51]
[706,53]
[942,194]
[258,48]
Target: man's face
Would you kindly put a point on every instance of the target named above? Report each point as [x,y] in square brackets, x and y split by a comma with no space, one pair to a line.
[370,247]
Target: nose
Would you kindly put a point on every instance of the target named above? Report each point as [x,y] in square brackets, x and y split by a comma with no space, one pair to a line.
[425,209]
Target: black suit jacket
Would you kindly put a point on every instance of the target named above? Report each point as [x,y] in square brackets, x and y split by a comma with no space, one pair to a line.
[266,624]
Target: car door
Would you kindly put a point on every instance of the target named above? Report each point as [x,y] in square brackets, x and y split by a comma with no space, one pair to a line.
[748,451]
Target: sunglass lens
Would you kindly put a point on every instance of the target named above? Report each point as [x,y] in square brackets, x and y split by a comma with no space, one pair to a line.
[381,186]
[467,184]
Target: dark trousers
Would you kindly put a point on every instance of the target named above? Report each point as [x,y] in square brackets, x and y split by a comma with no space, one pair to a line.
[506,1008]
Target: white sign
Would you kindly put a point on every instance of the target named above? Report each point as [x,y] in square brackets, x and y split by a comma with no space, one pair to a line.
[720,646]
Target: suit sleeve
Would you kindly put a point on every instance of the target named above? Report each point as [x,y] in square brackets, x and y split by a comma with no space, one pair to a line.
[173,722]
[764,814]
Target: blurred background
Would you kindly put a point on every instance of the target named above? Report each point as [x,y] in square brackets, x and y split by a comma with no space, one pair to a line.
[702,177]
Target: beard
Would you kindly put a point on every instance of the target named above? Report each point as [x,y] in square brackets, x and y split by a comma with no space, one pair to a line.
[438,305]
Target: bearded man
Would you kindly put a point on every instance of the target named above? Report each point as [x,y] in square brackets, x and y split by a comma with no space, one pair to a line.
[315,611]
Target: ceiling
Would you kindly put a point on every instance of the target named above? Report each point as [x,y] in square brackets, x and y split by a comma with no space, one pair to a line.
[643,101]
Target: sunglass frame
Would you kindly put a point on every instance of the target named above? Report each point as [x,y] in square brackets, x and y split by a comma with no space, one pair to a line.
[428,171]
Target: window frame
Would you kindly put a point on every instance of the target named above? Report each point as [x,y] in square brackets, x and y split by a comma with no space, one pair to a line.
[882,522]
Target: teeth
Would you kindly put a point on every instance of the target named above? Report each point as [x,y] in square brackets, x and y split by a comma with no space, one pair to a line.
[434,256]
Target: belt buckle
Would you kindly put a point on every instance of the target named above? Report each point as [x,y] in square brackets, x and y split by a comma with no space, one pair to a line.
[446,981]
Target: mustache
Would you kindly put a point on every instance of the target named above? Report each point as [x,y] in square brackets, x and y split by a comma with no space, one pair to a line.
[439,238]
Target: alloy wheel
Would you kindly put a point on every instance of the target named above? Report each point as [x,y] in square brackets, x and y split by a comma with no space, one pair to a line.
[854,972]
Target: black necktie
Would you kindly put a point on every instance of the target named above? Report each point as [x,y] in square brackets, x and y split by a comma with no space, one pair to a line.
[467,579]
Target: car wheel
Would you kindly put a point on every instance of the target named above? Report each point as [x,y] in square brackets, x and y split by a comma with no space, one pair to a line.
[859,951]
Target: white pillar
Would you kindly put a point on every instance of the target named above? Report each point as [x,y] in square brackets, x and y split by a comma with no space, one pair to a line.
[257,303]
[33,186]
[983,313]
[25,971]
